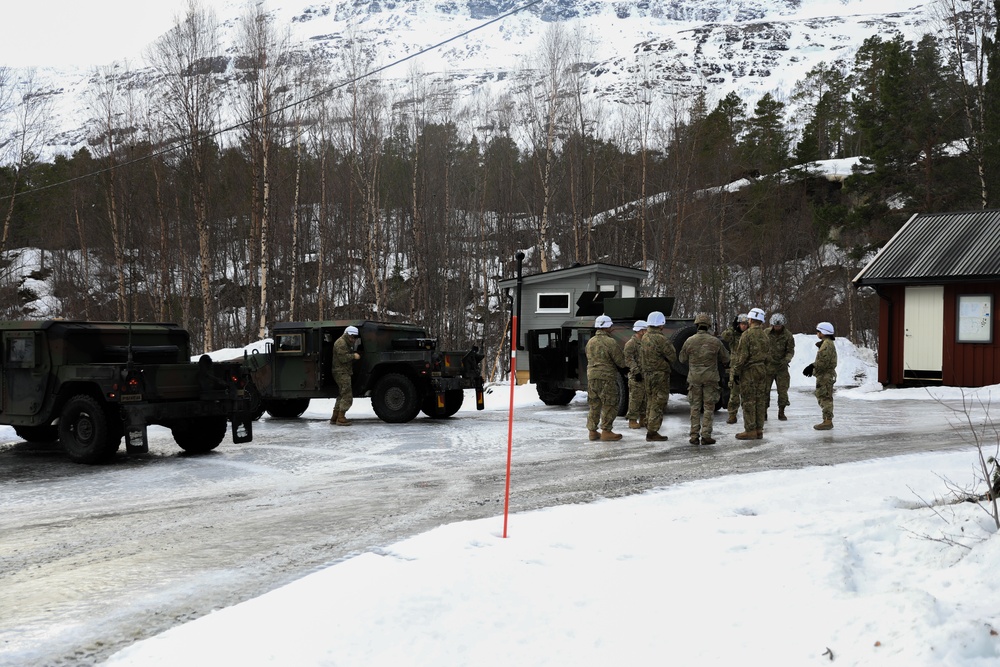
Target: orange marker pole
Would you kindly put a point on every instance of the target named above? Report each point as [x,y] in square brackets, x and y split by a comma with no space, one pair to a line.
[510,418]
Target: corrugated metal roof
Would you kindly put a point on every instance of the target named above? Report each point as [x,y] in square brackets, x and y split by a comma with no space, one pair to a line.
[943,247]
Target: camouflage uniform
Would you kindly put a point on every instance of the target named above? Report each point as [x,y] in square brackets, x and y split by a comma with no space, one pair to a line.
[825,372]
[604,358]
[343,367]
[782,350]
[636,386]
[703,353]
[731,337]
[750,364]
[656,356]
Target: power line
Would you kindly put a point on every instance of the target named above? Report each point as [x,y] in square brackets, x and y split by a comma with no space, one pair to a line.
[170,148]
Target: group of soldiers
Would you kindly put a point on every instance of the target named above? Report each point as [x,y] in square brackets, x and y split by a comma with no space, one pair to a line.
[760,359]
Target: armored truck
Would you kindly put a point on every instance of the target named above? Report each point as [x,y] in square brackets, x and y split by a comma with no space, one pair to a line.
[89,384]
[558,356]
[400,368]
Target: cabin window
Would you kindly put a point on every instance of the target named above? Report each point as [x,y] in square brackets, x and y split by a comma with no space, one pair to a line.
[553,302]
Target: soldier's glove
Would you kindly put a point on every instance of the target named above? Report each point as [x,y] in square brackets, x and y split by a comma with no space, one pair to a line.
[637,377]
[808,370]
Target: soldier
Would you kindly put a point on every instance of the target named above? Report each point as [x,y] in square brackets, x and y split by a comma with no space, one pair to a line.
[824,369]
[344,357]
[750,369]
[656,356]
[731,337]
[636,387]
[782,350]
[703,353]
[604,358]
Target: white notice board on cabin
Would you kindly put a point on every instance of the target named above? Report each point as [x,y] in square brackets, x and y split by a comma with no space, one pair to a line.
[975,318]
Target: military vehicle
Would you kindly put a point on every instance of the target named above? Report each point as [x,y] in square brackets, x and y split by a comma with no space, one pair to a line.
[400,368]
[558,357]
[88,384]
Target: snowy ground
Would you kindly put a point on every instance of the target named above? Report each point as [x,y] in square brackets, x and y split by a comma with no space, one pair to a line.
[869,563]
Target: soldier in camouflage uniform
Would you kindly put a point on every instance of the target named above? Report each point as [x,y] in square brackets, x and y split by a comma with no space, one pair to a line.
[656,356]
[703,353]
[750,367]
[731,337]
[782,350]
[344,357]
[824,369]
[636,386]
[604,358]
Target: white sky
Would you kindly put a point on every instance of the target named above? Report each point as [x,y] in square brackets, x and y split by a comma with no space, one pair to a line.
[772,568]
[81,32]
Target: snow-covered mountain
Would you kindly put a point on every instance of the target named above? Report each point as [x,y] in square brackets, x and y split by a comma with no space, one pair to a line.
[670,47]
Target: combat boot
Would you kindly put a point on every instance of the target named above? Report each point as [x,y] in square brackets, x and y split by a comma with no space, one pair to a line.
[826,425]
[342,419]
[594,435]
[694,439]
[747,435]
[781,414]
[707,440]
[732,418]
[610,435]
[632,423]
[654,436]
[760,434]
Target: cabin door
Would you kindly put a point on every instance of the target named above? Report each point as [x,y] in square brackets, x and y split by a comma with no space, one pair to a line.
[923,326]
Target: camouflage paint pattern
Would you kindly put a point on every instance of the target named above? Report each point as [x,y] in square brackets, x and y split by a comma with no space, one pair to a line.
[703,353]
[657,356]
[604,358]
[825,372]
[731,336]
[750,364]
[343,368]
[636,387]
[782,350]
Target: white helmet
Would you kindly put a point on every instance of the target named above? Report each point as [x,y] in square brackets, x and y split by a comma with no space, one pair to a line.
[756,314]
[640,325]
[602,322]
[825,328]
[656,319]
[351,331]
[777,320]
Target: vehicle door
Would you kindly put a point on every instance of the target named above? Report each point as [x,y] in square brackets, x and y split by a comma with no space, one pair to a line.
[546,355]
[25,373]
[296,367]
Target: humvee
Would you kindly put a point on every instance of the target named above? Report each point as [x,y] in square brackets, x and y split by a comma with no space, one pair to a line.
[400,368]
[88,384]
[558,356]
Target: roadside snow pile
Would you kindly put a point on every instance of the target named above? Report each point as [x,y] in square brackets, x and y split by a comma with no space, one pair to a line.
[856,366]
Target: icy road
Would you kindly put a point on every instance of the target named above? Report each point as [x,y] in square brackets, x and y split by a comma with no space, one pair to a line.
[93,558]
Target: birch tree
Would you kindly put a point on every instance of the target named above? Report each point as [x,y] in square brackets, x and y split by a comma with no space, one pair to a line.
[186,58]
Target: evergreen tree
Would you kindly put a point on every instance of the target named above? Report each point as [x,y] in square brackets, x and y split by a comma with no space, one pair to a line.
[764,146]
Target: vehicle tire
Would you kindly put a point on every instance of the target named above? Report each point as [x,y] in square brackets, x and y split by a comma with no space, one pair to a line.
[289,408]
[42,433]
[622,395]
[256,401]
[396,399]
[679,371]
[200,435]
[551,395]
[85,432]
[453,399]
